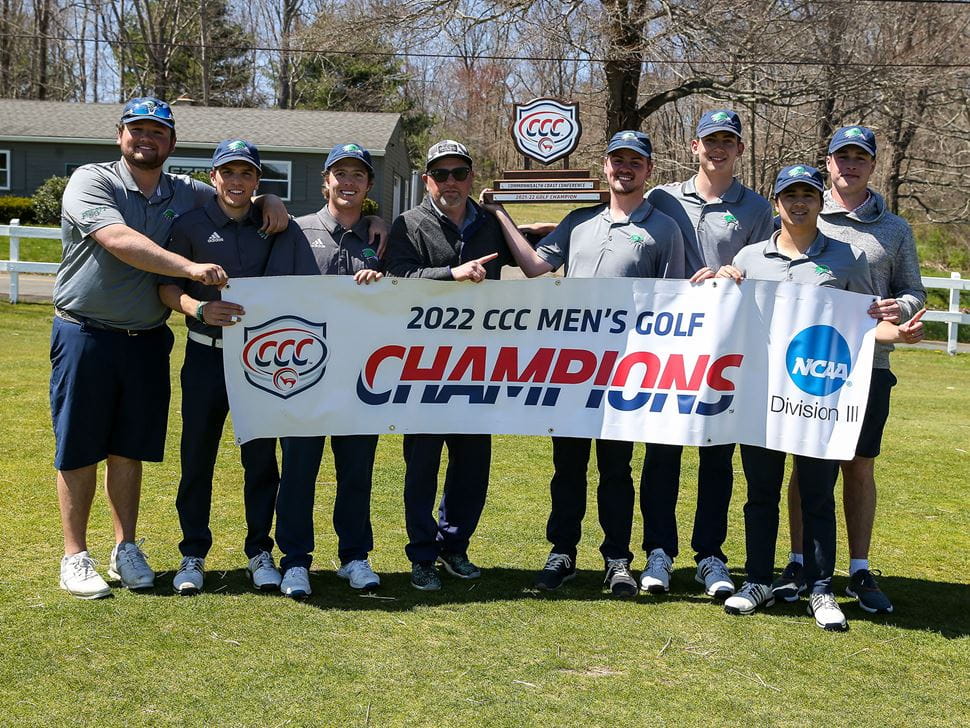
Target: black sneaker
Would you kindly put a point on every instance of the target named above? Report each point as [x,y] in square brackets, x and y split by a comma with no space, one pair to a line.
[863,586]
[619,578]
[425,577]
[459,565]
[791,584]
[558,568]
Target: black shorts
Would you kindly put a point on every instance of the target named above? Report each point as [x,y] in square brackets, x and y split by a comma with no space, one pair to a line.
[877,412]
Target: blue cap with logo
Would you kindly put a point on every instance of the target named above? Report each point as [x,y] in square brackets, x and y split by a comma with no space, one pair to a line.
[636,141]
[860,136]
[796,173]
[148,107]
[348,151]
[236,150]
[719,120]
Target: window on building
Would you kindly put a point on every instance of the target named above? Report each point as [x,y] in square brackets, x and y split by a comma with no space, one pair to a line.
[4,169]
[275,180]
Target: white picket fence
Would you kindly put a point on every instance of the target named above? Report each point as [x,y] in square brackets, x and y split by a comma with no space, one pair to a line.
[952,317]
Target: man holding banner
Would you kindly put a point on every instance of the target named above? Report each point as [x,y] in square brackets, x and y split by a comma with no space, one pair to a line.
[855,214]
[801,254]
[717,216]
[627,237]
[449,238]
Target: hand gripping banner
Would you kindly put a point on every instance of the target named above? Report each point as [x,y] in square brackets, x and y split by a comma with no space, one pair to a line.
[779,365]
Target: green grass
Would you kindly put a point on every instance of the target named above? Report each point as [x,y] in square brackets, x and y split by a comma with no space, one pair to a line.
[490,653]
[37,250]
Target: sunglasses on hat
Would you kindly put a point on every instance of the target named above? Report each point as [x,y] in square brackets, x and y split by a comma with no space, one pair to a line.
[148,108]
[441,174]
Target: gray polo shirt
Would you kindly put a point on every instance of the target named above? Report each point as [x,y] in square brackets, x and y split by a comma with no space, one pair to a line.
[590,244]
[336,249]
[208,235]
[714,231]
[93,283]
[827,262]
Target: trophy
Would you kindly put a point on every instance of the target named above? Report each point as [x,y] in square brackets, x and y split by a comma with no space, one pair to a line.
[546,130]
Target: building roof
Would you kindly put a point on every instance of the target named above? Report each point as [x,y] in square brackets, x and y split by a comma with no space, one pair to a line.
[202,126]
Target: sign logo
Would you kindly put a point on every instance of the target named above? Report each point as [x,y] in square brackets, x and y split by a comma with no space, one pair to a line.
[818,360]
[546,129]
[285,355]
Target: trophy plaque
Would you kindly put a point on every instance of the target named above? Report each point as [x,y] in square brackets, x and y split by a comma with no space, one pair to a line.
[546,130]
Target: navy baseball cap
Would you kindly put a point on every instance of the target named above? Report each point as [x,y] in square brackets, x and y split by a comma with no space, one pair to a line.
[348,151]
[719,120]
[630,139]
[447,148]
[796,173]
[860,136]
[148,107]
[236,150]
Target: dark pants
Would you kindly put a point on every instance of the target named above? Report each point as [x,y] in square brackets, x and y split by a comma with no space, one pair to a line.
[204,410]
[353,457]
[764,470]
[659,485]
[463,498]
[614,495]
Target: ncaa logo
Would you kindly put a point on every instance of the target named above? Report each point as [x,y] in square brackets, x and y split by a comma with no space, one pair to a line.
[546,129]
[818,360]
[285,356]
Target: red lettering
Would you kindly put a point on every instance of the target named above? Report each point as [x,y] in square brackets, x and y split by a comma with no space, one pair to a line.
[567,357]
[413,371]
[507,366]
[375,360]
[715,375]
[606,367]
[674,376]
[648,359]
[472,357]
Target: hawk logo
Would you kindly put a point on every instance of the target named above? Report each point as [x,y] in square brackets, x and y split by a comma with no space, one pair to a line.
[799,171]
[720,116]
[237,145]
[628,137]
[853,133]
[351,148]
[92,212]
[215,238]
[636,238]
[822,270]
[729,218]
[285,355]
[170,214]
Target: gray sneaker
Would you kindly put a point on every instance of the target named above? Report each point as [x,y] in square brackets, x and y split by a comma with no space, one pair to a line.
[190,576]
[655,577]
[425,577]
[749,598]
[130,566]
[459,565]
[360,574]
[864,587]
[296,583]
[262,570]
[619,579]
[714,575]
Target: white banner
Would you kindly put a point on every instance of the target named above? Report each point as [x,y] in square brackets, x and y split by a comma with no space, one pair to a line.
[773,364]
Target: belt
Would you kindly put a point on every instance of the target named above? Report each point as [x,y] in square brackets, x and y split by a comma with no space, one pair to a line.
[97,325]
[205,340]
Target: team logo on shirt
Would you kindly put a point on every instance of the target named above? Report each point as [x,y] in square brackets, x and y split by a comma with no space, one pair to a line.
[215,238]
[285,355]
[822,270]
[92,212]
[818,360]
[170,214]
[635,238]
[729,218]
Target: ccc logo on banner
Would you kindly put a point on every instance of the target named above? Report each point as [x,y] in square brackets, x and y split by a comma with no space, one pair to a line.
[285,355]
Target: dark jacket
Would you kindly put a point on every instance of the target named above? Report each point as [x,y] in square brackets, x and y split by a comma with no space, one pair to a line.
[423,244]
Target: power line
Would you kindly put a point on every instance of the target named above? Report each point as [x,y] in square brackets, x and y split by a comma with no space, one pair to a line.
[483,57]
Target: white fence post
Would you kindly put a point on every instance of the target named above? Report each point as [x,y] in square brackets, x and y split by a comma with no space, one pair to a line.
[952,327]
[14,256]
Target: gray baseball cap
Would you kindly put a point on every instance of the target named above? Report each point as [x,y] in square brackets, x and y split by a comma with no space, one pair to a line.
[447,148]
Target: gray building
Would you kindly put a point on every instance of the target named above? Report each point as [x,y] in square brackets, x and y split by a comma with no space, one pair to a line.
[41,139]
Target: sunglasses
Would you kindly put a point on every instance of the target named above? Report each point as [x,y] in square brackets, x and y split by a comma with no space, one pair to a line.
[440,174]
[149,108]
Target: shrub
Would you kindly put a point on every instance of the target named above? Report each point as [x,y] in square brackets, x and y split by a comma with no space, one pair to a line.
[17,207]
[47,201]
[369,207]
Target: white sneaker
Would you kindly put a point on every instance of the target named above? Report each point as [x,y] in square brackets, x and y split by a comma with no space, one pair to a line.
[828,615]
[749,598]
[129,565]
[262,570]
[296,583]
[713,574]
[360,574]
[80,579]
[190,576]
[655,578]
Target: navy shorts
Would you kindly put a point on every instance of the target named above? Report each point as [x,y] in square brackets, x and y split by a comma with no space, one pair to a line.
[877,412]
[109,394]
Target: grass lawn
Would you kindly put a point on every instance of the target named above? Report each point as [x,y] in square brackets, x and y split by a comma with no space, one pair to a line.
[491,652]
